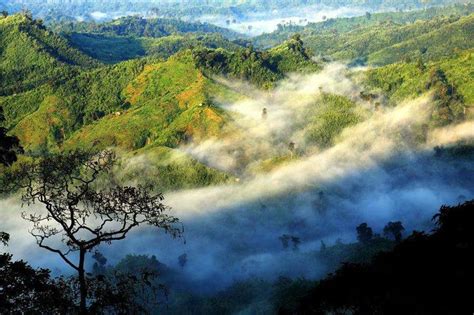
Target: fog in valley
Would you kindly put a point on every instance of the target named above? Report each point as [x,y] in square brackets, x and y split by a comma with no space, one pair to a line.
[376,171]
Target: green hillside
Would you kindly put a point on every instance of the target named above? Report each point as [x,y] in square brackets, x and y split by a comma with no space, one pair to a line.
[345,25]
[400,81]
[31,55]
[386,38]
[431,45]
[152,106]
[389,42]
[262,68]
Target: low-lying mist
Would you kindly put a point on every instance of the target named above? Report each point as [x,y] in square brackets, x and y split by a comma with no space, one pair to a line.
[382,168]
[257,23]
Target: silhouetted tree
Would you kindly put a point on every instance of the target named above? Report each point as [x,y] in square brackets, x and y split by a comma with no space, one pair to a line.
[285,240]
[364,233]
[99,266]
[423,274]
[4,238]
[9,146]
[323,246]
[292,147]
[24,290]
[394,230]
[80,214]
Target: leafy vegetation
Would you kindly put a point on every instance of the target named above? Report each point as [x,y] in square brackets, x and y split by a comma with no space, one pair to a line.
[330,116]
[407,80]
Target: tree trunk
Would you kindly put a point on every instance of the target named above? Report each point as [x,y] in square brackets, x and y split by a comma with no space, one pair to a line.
[82,282]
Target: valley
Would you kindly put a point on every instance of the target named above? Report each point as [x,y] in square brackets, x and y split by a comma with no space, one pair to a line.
[270,147]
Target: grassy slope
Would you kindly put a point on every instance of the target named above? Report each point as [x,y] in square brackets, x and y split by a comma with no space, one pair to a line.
[168,104]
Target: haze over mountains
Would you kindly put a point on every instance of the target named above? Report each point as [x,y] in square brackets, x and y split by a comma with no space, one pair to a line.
[265,146]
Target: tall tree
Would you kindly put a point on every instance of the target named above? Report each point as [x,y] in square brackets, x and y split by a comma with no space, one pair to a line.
[81,215]
[394,230]
[24,290]
[364,233]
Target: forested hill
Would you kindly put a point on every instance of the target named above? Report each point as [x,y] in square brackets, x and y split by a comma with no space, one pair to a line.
[386,37]
[133,37]
[388,43]
[140,27]
[32,55]
[145,105]
[54,97]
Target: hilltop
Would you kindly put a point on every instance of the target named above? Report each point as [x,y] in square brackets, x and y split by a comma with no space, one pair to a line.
[32,55]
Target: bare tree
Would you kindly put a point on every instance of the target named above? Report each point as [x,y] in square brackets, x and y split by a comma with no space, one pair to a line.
[79,213]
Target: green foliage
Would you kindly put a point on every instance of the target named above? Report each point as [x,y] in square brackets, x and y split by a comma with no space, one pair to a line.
[330,115]
[167,169]
[448,104]
[9,148]
[260,68]
[292,56]
[246,64]
[431,44]
[451,80]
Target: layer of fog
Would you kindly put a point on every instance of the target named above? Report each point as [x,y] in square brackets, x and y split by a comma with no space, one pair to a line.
[377,171]
[257,23]
[250,24]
